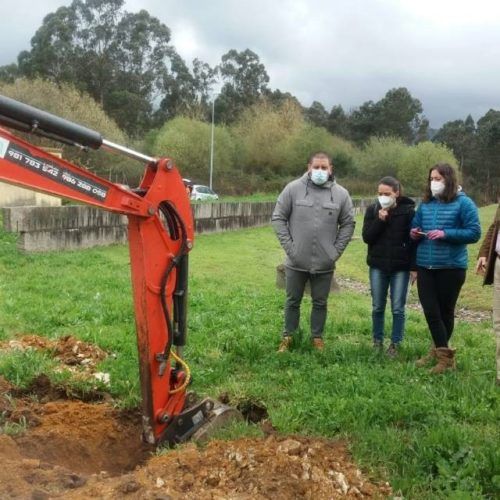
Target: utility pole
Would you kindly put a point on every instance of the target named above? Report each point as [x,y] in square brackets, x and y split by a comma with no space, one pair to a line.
[212,144]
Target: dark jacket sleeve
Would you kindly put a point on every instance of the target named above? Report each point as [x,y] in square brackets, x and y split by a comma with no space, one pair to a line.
[417,218]
[413,243]
[372,225]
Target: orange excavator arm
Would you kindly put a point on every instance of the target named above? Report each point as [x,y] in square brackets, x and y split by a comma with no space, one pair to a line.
[160,234]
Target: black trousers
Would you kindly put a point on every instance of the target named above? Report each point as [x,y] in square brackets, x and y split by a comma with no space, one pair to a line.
[438,291]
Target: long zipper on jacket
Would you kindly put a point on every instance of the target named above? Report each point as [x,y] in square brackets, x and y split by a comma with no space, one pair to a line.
[433,225]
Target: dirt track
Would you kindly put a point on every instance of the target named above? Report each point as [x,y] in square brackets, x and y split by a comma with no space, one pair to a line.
[75,449]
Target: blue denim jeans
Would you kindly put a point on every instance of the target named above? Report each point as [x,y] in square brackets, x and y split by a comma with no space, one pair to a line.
[380,282]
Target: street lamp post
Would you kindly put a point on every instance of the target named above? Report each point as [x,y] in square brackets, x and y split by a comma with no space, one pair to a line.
[212,144]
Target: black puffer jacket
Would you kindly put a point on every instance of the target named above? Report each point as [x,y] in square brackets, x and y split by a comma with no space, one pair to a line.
[389,246]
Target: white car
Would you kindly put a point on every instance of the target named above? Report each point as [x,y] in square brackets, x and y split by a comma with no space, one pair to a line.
[201,192]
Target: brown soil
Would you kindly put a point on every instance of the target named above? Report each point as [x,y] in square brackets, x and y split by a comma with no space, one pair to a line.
[79,450]
[53,447]
[68,350]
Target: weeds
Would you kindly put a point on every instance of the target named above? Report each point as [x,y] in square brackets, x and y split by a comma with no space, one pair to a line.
[13,428]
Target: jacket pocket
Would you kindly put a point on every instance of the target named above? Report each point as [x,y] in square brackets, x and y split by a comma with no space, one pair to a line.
[304,212]
[330,212]
[303,203]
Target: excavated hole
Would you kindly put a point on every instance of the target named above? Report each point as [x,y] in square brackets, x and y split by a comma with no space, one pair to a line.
[86,438]
[253,411]
[74,450]
[82,437]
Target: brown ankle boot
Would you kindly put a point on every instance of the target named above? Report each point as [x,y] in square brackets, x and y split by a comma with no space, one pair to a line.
[318,343]
[285,344]
[425,360]
[446,360]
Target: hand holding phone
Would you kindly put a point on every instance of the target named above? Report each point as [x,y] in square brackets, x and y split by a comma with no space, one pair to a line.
[416,233]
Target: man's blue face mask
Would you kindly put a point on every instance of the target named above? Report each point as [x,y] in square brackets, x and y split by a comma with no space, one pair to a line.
[318,176]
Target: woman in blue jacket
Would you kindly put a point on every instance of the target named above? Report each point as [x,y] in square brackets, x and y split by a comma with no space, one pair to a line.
[444,223]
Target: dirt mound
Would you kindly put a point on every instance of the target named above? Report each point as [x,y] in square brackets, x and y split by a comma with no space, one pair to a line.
[75,356]
[73,449]
[68,350]
[279,468]
[55,447]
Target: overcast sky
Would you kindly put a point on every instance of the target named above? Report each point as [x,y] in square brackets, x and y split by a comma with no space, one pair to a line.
[446,52]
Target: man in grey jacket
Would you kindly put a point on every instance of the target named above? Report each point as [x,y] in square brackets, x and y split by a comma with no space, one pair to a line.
[314,222]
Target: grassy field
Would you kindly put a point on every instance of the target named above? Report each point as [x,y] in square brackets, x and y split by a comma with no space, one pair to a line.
[431,437]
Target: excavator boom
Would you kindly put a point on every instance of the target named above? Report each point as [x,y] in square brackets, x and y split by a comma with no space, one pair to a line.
[160,234]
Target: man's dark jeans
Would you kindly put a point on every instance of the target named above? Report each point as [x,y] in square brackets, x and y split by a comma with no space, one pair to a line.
[320,289]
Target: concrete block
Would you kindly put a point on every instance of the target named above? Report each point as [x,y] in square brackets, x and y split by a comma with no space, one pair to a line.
[202,210]
[26,219]
[71,239]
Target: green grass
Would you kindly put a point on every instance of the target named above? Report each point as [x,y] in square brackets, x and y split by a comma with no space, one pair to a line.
[431,437]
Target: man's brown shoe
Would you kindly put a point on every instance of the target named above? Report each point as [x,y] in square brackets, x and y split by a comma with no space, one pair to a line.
[318,343]
[286,342]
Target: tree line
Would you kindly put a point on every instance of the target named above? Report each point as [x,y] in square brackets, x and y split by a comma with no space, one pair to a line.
[127,63]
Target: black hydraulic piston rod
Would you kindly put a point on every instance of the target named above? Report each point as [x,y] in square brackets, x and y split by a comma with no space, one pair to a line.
[20,116]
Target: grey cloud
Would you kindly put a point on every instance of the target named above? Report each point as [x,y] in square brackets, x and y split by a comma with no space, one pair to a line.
[333,51]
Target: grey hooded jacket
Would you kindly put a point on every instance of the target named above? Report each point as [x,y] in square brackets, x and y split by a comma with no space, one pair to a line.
[313,223]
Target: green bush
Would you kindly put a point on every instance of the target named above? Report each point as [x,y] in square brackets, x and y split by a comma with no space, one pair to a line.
[262,133]
[383,156]
[416,162]
[379,157]
[187,141]
[309,139]
[275,142]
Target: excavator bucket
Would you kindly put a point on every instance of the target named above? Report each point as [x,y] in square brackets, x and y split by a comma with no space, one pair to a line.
[221,416]
[199,421]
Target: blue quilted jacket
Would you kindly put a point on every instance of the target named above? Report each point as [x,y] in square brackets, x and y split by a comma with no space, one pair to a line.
[460,222]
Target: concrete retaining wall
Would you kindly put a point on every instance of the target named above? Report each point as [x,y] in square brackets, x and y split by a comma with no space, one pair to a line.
[13,196]
[228,216]
[43,229]
[81,226]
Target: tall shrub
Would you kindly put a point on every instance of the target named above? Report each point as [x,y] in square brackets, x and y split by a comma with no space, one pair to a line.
[261,134]
[275,142]
[187,141]
[379,157]
[416,162]
[309,139]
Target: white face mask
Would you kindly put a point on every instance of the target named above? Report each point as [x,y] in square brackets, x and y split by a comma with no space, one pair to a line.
[437,187]
[318,176]
[386,201]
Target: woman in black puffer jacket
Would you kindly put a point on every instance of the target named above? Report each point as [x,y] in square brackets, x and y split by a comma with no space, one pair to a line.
[386,230]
